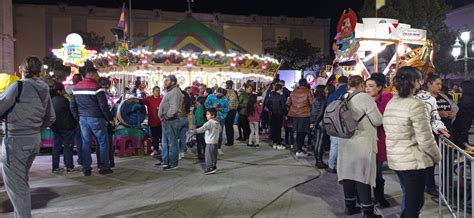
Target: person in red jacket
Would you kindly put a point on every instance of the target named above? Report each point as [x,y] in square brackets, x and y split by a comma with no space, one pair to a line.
[152,103]
[374,87]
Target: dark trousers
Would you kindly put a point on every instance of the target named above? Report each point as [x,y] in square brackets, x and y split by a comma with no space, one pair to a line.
[430,178]
[276,123]
[300,136]
[229,126]
[156,133]
[244,122]
[319,144]
[413,183]
[63,143]
[289,136]
[111,149]
[356,190]
[201,144]
[78,142]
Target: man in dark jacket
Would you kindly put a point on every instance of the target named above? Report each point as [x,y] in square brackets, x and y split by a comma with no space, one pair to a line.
[89,106]
[64,128]
[276,104]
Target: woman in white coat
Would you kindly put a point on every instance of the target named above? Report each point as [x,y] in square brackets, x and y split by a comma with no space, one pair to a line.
[356,168]
[411,147]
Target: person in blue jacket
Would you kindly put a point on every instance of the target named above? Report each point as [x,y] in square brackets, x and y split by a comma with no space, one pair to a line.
[221,104]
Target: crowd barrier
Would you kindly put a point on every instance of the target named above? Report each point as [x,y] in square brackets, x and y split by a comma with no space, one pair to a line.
[455,180]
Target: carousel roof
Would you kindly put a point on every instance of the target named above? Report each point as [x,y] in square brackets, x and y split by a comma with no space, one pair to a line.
[191,35]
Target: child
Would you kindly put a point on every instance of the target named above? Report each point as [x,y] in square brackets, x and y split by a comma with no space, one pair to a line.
[212,129]
[199,121]
[254,112]
[289,134]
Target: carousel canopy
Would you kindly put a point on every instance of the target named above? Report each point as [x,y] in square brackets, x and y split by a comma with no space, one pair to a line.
[191,35]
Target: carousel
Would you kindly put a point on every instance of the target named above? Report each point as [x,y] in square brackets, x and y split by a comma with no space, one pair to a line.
[190,50]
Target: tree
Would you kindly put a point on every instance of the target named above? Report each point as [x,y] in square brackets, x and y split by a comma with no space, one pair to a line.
[423,14]
[295,54]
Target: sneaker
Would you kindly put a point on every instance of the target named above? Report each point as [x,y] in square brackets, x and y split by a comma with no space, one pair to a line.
[105,172]
[220,152]
[87,173]
[160,164]
[257,146]
[170,167]
[57,170]
[300,154]
[69,170]
[154,153]
[181,155]
[250,145]
[281,147]
[330,170]
[275,146]
[209,171]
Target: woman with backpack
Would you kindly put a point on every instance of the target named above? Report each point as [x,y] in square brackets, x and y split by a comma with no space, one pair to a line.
[356,165]
[374,87]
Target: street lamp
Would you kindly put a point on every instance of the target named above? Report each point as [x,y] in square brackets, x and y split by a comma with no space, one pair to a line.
[456,52]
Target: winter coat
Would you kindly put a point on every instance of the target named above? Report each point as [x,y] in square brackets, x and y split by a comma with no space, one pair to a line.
[276,103]
[317,110]
[463,122]
[199,116]
[243,101]
[300,102]
[431,110]
[90,100]
[64,118]
[170,104]
[256,114]
[410,141]
[382,101]
[356,156]
[223,104]
[34,112]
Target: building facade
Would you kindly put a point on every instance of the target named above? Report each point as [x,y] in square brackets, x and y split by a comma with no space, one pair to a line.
[6,37]
[39,28]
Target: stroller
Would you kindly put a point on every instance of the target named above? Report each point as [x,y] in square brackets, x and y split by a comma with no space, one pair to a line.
[191,142]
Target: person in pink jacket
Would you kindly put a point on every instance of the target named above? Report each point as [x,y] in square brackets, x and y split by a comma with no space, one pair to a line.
[254,113]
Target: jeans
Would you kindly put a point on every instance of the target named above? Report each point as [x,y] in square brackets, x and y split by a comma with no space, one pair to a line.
[63,138]
[156,133]
[244,122]
[170,144]
[211,156]
[276,123]
[111,151]
[229,126]
[254,136]
[413,186]
[289,136]
[78,142]
[94,126]
[333,153]
[183,128]
[219,142]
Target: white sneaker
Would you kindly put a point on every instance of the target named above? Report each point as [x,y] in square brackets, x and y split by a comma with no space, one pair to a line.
[181,155]
[281,147]
[300,154]
[220,152]
[275,146]
[154,153]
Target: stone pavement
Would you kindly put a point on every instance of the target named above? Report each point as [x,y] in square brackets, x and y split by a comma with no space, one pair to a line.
[250,182]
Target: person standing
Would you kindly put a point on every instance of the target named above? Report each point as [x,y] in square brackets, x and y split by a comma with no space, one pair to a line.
[183,112]
[221,104]
[27,109]
[199,121]
[299,103]
[411,147]
[152,104]
[341,89]
[89,106]
[374,87]
[277,107]
[356,165]
[233,98]
[254,110]
[317,113]
[168,114]
[462,124]
[243,116]
[64,129]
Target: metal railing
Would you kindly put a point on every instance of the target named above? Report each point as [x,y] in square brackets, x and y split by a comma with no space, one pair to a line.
[455,180]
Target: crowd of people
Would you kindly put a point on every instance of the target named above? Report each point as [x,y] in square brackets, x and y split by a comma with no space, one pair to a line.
[399,126]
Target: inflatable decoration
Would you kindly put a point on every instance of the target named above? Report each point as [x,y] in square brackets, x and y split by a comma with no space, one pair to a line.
[346,46]
[131,113]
